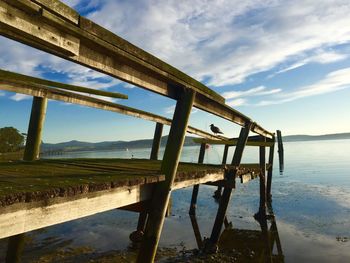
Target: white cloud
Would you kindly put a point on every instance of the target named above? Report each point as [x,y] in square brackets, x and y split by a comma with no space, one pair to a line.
[223,41]
[228,40]
[323,57]
[20,97]
[2,93]
[258,91]
[237,102]
[334,81]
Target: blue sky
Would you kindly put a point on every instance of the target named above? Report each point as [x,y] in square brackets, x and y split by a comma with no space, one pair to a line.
[285,64]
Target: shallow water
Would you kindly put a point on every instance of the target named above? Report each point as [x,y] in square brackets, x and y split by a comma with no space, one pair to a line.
[311,203]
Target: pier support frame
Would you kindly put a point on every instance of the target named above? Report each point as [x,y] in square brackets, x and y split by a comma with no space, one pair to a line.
[137,235]
[31,153]
[162,191]
[211,245]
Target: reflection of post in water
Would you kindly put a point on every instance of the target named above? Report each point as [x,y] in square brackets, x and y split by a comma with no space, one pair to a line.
[192,211]
[253,245]
[280,150]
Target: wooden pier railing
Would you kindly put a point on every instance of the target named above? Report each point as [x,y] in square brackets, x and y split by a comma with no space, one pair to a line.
[53,27]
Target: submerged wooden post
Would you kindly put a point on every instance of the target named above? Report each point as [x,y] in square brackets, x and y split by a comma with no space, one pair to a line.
[31,153]
[280,150]
[269,173]
[162,191]
[226,195]
[192,211]
[36,123]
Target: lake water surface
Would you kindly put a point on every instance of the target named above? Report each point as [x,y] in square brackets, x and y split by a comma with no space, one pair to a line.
[311,203]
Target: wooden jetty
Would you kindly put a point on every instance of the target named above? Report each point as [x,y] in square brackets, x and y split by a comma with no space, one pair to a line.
[39,193]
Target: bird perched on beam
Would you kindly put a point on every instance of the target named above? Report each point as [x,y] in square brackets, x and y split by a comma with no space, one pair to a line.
[215,129]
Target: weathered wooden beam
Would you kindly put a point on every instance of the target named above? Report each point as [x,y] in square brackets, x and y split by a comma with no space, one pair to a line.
[226,195]
[232,142]
[36,124]
[69,97]
[24,217]
[12,77]
[97,48]
[16,20]
[59,9]
[162,192]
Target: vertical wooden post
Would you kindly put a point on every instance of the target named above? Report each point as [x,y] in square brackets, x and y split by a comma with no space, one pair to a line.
[192,211]
[137,235]
[217,193]
[156,141]
[262,157]
[280,150]
[162,191]
[31,153]
[36,123]
[269,173]
[226,195]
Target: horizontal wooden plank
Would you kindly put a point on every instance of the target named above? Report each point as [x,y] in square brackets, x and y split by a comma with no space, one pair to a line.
[115,60]
[69,97]
[232,142]
[23,79]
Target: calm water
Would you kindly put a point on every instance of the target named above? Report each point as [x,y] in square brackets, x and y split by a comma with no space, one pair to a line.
[311,202]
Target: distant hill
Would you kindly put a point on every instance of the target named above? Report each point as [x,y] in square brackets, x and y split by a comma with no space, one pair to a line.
[297,138]
[147,143]
[108,145]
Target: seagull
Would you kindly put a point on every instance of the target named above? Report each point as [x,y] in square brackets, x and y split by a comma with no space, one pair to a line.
[215,129]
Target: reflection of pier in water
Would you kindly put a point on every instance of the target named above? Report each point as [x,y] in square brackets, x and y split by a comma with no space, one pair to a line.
[248,245]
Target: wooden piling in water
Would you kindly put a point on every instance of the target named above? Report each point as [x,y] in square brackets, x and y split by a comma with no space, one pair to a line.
[156,141]
[262,161]
[162,191]
[280,150]
[226,195]
[36,124]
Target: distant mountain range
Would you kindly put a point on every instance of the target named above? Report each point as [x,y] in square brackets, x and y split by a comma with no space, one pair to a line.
[297,138]
[109,145]
[147,143]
